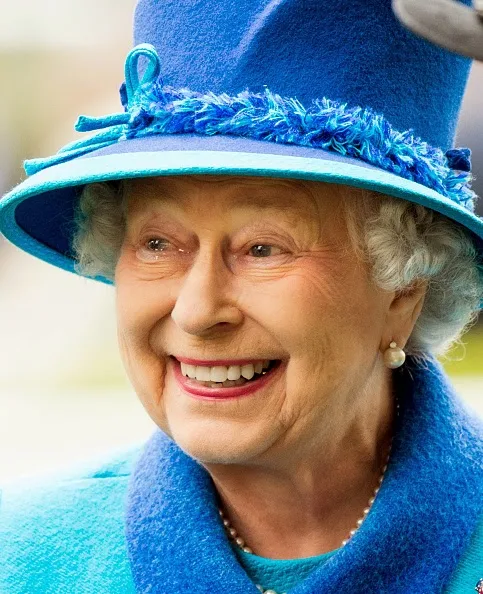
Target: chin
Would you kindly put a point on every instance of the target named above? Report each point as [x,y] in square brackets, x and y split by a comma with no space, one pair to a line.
[218,442]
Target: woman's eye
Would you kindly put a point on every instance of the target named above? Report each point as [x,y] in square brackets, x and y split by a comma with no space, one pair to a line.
[156,244]
[152,249]
[263,250]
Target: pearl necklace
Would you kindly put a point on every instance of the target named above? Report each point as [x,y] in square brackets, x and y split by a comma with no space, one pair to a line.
[234,536]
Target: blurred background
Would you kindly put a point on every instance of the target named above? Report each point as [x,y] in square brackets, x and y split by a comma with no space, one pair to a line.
[63,394]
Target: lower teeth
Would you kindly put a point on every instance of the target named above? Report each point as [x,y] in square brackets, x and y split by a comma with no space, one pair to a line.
[228,383]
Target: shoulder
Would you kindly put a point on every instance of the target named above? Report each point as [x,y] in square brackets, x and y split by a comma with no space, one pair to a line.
[470,568]
[60,531]
[49,493]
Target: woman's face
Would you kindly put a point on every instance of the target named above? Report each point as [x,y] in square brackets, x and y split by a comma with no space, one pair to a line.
[246,269]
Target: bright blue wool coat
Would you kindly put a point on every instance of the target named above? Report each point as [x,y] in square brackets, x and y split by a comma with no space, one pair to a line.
[147,521]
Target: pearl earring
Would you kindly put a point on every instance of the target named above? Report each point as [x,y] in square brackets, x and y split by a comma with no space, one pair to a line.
[394,356]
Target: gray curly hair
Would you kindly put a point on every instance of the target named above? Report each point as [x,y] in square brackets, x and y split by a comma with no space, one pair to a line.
[403,242]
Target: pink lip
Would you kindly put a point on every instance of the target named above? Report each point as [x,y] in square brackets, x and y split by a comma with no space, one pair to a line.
[205,392]
[214,362]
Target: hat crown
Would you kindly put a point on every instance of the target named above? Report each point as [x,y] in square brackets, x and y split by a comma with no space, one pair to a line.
[352,51]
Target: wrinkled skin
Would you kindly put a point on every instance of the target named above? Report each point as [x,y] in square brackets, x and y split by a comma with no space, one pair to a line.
[299,459]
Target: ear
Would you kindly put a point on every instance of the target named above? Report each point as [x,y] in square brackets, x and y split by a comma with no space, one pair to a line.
[403,313]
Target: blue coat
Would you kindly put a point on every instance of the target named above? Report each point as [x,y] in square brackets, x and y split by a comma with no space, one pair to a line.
[145,520]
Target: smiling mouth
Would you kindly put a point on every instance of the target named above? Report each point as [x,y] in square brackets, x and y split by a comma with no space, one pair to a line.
[233,383]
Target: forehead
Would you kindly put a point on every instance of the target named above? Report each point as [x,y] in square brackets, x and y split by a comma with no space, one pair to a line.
[295,197]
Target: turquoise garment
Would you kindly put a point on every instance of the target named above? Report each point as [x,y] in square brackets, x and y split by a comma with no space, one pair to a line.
[276,574]
[66,535]
[283,575]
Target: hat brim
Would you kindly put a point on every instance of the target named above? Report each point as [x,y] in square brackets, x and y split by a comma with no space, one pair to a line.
[37,215]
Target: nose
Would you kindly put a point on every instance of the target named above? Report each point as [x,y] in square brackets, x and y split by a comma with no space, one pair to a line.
[206,301]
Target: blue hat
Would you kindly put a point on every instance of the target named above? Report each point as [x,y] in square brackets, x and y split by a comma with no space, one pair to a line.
[329,90]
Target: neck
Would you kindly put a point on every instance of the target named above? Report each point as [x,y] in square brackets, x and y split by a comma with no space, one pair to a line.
[305,505]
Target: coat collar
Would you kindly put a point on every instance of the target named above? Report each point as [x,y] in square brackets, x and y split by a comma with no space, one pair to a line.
[411,541]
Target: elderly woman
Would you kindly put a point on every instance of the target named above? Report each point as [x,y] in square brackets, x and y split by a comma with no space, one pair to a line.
[273,265]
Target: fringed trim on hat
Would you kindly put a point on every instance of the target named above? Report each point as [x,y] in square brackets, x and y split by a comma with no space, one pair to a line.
[356,132]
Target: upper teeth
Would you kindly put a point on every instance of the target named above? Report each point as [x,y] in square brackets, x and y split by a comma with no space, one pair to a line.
[221,373]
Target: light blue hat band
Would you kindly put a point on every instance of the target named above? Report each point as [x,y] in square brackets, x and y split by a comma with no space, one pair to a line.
[355,132]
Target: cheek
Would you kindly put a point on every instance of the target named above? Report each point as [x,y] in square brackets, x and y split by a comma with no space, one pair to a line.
[332,329]
[341,294]
[141,303]
[140,309]
[328,315]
